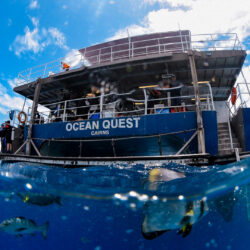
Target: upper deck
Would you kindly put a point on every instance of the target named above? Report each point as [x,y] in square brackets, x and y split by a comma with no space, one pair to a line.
[130,62]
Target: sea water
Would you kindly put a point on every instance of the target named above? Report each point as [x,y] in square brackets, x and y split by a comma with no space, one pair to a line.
[127,206]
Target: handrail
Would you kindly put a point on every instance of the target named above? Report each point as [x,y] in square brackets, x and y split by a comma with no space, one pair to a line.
[242,98]
[113,140]
[78,108]
[134,49]
[230,133]
[116,138]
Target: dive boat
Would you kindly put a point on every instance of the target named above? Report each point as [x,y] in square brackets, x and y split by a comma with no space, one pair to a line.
[163,96]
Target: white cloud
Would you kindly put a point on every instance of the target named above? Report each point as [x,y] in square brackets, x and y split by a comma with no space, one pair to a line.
[243,87]
[64,7]
[204,16]
[3,110]
[8,99]
[35,21]
[111,2]
[8,102]
[28,42]
[34,4]
[246,73]
[3,90]
[57,37]
[14,82]
[99,8]
[37,39]
[172,3]
[11,101]
[75,59]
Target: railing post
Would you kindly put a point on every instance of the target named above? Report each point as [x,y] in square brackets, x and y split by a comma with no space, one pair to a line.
[235,41]
[245,81]
[101,105]
[29,75]
[230,133]
[129,45]
[241,100]
[159,143]
[80,149]
[212,42]
[200,129]
[113,146]
[145,102]
[64,110]
[45,68]
[211,95]
[181,40]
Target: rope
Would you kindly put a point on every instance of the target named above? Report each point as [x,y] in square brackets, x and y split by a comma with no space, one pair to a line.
[116,139]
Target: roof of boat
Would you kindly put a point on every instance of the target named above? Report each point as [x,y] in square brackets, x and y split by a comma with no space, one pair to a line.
[140,60]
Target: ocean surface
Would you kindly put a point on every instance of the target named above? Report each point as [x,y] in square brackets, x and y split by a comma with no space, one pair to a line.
[146,206]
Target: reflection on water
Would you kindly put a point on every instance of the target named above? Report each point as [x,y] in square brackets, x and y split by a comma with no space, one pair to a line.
[125,207]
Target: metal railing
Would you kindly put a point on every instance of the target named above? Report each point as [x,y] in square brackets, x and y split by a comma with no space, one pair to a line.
[133,49]
[242,98]
[119,105]
[113,142]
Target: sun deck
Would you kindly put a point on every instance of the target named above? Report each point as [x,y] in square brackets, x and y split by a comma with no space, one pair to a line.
[140,60]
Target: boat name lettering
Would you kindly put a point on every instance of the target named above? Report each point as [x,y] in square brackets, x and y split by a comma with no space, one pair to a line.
[104,124]
[100,132]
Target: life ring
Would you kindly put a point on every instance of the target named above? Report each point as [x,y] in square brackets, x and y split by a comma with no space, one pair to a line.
[233,95]
[20,119]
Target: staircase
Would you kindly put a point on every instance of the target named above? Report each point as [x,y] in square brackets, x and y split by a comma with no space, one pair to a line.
[224,144]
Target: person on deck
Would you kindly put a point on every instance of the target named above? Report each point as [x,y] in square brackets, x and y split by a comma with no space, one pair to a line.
[8,131]
[176,93]
[3,139]
[155,94]
[65,66]
[85,105]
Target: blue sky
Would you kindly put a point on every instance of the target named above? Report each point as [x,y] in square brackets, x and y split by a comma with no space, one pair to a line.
[34,32]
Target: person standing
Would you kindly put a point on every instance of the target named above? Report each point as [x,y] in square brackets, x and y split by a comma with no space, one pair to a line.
[176,94]
[8,131]
[3,140]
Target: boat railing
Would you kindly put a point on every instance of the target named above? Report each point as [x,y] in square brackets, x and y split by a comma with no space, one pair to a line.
[113,141]
[239,98]
[129,49]
[126,104]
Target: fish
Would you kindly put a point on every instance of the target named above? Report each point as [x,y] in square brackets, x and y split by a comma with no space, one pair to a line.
[159,175]
[178,215]
[20,225]
[162,174]
[39,199]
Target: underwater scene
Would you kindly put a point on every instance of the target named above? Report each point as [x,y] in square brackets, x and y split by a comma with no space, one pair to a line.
[125,206]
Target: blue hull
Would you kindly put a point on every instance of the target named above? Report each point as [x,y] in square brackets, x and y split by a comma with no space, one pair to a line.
[126,136]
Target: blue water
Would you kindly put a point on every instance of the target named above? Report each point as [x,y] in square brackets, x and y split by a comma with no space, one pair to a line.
[120,206]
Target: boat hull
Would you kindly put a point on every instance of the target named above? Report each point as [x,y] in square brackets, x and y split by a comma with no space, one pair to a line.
[162,134]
